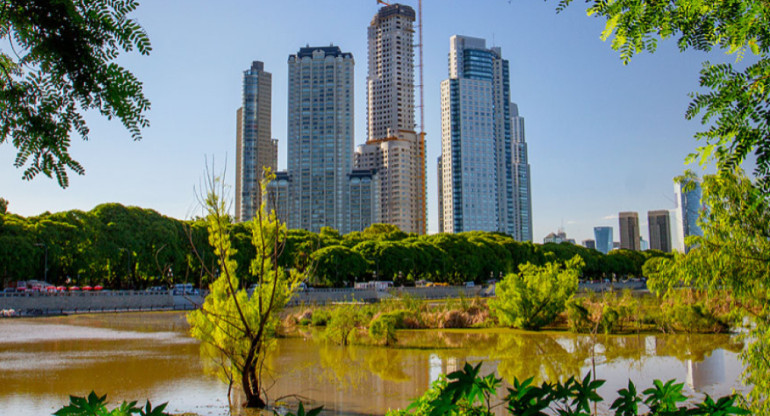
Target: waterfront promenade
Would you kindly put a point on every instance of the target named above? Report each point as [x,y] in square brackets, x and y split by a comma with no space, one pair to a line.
[38,303]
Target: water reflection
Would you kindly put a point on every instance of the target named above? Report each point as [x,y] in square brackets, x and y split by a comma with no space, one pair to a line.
[137,356]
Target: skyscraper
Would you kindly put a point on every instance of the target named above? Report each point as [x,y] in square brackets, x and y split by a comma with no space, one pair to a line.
[660,230]
[687,196]
[320,137]
[629,231]
[522,184]
[603,237]
[485,175]
[255,149]
[393,148]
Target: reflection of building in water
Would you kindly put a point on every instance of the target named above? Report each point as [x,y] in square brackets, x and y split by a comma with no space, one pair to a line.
[707,372]
[650,345]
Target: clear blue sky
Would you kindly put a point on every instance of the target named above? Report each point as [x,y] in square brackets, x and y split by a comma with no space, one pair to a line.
[602,137]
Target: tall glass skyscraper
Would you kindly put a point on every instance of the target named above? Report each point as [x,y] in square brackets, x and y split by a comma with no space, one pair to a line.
[603,237]
[484,172]
[522,184]
[320,137]
[255,149]
[687,196]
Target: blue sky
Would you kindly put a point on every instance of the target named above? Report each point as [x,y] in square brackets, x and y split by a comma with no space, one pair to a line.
[602,137]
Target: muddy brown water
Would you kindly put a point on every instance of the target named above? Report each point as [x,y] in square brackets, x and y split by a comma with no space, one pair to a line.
[141,356]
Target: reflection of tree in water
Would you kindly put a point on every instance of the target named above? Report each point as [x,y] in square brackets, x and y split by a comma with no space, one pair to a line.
[622,348]
[536,355]
[387,363]
[694,347]
[350,366]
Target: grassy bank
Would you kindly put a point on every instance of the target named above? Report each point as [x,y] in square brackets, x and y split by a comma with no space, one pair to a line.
[610,313]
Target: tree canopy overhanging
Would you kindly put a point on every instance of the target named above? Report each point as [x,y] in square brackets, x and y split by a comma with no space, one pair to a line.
[57,61]
[735,107]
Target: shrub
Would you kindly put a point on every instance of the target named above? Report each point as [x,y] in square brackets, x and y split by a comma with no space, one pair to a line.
[320,317]
[383,329]
[534,297]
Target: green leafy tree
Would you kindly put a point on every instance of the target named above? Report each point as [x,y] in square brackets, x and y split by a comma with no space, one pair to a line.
[337,265]
[735,103]
[731,258]
[3,205]
[240,327]
[343,321]
[534,297]
[62,64]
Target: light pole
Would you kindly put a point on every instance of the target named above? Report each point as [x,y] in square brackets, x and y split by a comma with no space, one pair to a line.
[45,264]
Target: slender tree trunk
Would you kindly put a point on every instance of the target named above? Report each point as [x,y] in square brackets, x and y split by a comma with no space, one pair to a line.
[250,381]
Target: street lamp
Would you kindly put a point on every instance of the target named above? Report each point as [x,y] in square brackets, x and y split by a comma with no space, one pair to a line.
[45,265]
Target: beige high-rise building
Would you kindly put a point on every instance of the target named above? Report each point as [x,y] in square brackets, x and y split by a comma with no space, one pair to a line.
[255,149]
[660,230]
[393,148]
[629,231]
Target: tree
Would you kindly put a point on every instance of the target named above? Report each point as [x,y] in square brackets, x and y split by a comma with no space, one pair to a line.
[63,63]
[239,327]
[337,265]
[731,260]
[3,206]
[534,297]
[737,107]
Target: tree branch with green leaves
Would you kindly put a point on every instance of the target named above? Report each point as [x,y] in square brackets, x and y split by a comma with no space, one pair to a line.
[62,64]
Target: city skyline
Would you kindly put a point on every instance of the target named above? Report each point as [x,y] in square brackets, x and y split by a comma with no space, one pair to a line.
[573,126]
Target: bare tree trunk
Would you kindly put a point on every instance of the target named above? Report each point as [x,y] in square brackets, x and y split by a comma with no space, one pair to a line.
[249,379]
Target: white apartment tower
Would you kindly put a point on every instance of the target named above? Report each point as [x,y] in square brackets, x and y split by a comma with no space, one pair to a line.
[484,172]
[320,137]
[255,149]
[393,148]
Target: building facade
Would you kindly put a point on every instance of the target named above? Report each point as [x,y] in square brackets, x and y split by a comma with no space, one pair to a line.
[363,206]
[279,198]
[629,231]
[604,238]
[320,137]
[393,148]
[255,149]
[522,182]
[484,175]
[659,224]
[687,196]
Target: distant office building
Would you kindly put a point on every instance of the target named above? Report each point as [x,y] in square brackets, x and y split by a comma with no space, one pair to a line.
[660,230]
[480,190]
[616,245]
[589,244]
[393,148]
[686,212]
[363,199]
[558,237]
[320,137]
[522,183]
[644,245]
[629,231]
[603,237]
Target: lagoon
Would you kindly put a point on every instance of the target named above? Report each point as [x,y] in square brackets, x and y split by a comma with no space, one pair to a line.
[138,356]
